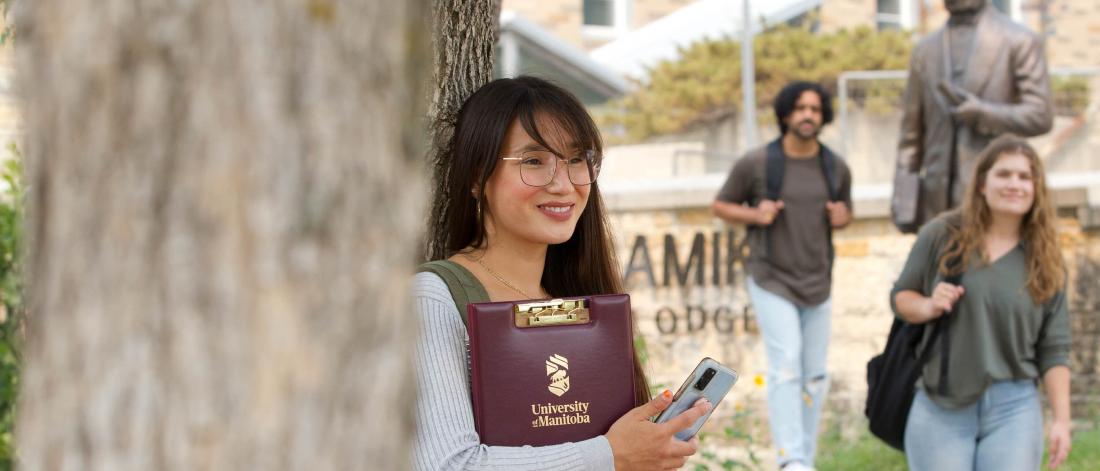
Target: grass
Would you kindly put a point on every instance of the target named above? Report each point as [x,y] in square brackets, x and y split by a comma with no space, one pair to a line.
[1084,455]
[837,452]
[866,452]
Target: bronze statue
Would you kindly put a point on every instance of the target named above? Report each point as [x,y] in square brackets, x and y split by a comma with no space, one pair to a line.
[979,76]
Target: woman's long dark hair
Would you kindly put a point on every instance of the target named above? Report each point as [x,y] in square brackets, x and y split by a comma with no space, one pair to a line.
[584,264]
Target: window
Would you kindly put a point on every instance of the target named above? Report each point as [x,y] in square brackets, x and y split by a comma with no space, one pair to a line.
[888,14]
[894,14]
[604,19]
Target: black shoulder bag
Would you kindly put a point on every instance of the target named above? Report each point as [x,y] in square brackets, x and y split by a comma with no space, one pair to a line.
[892,376]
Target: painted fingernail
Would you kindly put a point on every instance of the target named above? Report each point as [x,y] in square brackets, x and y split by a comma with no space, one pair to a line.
[667,394]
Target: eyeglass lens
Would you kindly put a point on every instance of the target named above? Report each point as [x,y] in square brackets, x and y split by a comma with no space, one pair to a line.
[537,168]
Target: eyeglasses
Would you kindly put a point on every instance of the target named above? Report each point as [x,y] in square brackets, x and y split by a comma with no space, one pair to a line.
[538,167]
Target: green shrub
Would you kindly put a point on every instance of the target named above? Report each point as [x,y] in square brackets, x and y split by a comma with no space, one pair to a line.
[11,303]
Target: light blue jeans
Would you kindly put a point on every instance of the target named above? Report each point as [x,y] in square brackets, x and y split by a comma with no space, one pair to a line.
[796,340]
[1003,431]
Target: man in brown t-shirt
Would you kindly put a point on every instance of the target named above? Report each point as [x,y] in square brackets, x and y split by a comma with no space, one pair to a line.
[791,214]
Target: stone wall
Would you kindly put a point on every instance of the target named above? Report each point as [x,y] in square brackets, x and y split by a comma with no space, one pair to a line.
[1074,39]
[847,14]
[644,12]
[564,18]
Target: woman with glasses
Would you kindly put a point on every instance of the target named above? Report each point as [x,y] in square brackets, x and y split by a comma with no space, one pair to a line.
[993,272]
[524,220]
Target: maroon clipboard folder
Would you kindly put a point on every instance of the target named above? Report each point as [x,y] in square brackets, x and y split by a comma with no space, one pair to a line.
[544,374]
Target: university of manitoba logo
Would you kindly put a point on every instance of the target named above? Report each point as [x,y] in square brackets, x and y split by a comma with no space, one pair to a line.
[557,368]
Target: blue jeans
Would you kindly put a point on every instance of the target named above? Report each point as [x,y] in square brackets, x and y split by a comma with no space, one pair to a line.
[796,340]
[1003,431]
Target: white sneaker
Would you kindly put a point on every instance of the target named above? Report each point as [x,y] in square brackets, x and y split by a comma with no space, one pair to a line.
[796,466]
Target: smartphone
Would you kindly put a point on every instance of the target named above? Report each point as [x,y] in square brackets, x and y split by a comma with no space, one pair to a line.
[711,380]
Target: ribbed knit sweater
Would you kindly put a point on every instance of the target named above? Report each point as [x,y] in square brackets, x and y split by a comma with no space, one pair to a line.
[446,438]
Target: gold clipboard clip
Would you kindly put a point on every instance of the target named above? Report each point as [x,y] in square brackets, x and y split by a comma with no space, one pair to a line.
[552,312]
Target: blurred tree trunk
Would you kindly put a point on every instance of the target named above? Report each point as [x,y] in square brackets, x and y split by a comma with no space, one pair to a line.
[464,36]
[221,195]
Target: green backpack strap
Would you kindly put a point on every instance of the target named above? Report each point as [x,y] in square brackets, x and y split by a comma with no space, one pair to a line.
[462,284]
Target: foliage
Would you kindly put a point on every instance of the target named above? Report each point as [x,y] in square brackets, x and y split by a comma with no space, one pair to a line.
[741,433]
[864,451]
[7,31]
[1071,94]
[11,302]
[705,82]
[1084,454]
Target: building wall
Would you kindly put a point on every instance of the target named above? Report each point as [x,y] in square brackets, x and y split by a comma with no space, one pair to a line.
[648,11]
[564,18]
[1072,29]
[1074,37]
[847,14]
[561,18]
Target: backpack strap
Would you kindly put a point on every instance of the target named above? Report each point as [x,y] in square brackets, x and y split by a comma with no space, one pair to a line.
[828,170]
[462,284]
[942,323]
[774,162]
[773,170]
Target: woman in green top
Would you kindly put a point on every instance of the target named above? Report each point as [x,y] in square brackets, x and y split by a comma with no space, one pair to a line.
[1007,321]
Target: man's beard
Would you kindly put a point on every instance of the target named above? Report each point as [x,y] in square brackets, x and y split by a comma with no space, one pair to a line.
[815,130]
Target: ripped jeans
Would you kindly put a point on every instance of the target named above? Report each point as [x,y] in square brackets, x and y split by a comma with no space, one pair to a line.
[796,340]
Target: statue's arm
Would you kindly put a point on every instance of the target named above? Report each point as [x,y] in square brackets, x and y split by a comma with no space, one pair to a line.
[1033,114]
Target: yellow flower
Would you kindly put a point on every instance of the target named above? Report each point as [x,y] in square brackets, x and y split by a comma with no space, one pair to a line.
[758,380]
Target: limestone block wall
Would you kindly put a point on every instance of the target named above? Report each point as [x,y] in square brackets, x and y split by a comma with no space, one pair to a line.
[847,14]
[1075,39]
[565,18]
[644,12]
[562,18]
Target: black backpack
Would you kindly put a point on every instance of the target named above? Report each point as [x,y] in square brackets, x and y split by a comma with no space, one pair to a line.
[892,376]
[774,164]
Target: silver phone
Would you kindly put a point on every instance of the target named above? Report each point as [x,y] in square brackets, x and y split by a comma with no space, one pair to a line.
[711,380]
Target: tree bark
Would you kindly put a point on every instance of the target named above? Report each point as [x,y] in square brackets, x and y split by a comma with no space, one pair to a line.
[463,37]
[221,199]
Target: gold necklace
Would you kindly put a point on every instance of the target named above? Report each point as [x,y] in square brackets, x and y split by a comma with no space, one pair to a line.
[498,277]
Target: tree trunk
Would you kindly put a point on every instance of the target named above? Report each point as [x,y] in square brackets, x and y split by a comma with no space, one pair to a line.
[221,199]
[464,37]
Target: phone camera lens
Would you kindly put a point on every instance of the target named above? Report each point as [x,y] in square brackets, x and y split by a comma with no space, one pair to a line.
[704,380]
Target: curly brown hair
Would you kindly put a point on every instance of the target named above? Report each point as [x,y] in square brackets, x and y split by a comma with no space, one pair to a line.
[1046,268]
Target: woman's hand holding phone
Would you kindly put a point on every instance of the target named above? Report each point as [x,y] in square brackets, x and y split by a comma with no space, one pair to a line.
[638,443]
